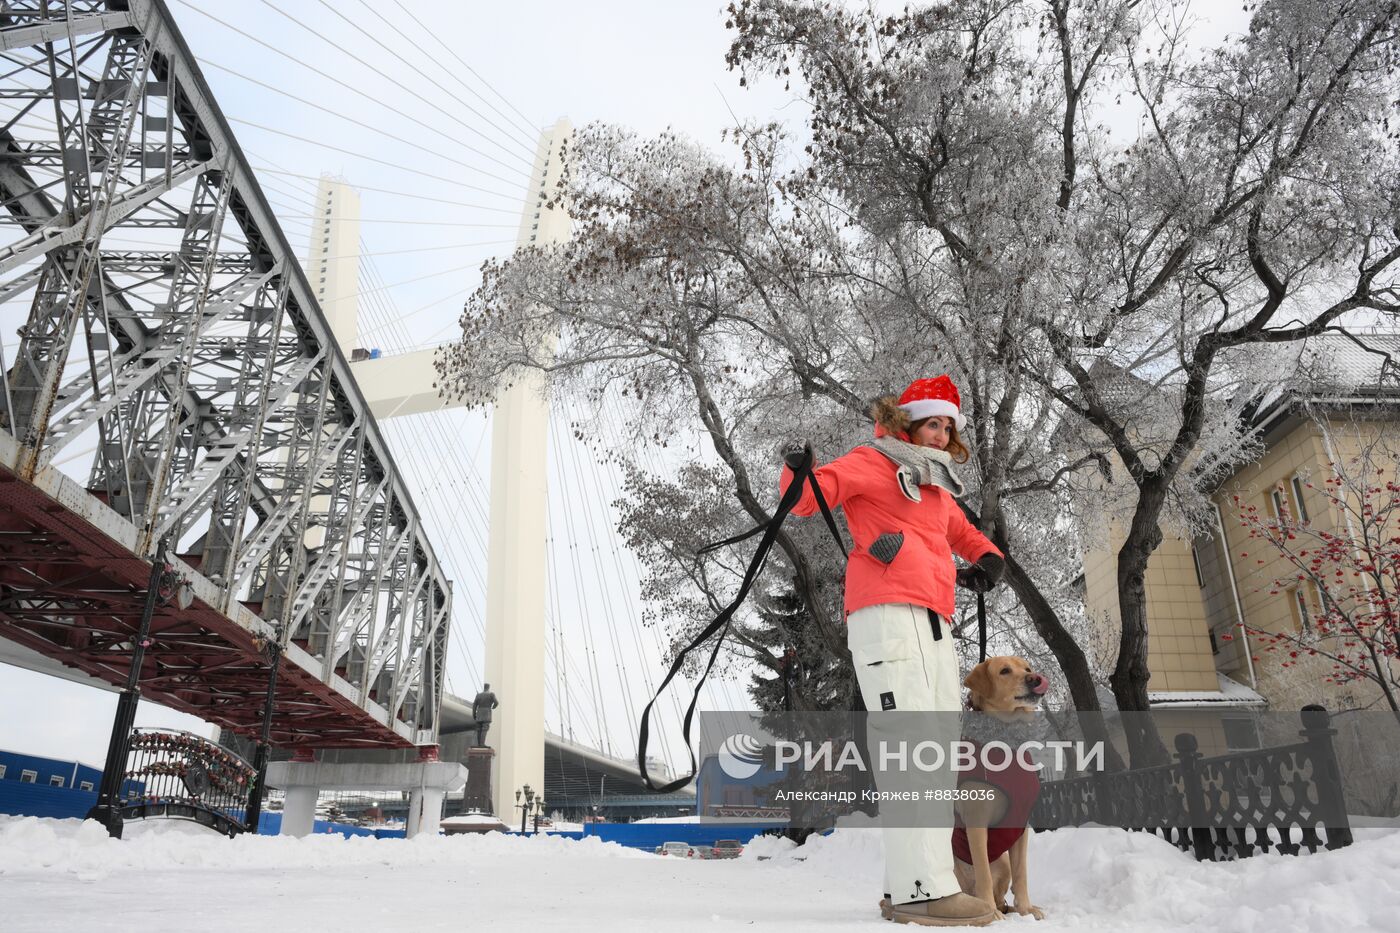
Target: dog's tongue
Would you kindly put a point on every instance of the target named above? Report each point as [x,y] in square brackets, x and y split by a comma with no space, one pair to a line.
[1041,686]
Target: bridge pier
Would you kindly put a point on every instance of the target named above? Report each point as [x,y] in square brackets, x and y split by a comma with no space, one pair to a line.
[299,809]
[426,781]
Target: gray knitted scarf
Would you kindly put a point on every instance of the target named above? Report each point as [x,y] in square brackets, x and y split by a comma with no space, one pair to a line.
[919,466]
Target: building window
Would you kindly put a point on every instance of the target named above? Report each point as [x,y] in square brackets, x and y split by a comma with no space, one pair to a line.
[1298,503]
[1196,562]
[28,777]
[1214,645]
[1302,619]
[1240,734]
[55,780]
[1276,500]
[1317,603]
[85,785]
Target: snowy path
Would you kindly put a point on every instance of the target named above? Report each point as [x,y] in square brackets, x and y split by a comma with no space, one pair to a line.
[69,875]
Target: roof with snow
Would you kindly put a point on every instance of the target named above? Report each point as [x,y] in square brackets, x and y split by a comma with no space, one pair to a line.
[1330,365]
[1230,693]
[1366,360]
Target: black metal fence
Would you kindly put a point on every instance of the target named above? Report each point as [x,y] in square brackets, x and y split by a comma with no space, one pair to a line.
[1288,797]
[180,775]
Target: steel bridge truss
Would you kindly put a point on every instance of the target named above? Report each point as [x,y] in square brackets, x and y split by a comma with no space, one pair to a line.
[175,378]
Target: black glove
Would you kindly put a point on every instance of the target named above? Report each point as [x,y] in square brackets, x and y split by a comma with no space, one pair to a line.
[798,456]
[983,575]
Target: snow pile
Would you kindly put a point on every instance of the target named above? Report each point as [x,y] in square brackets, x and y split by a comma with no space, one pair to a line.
[66,871]
[768,847]
[1107,879]
[1095,874]
[82,847]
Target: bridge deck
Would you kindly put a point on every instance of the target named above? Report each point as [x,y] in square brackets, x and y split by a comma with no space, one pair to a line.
[56,545]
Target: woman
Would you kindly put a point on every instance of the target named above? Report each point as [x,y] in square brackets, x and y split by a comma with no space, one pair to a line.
[898,493]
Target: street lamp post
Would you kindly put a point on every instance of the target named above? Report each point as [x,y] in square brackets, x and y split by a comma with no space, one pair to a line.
[273,650]
[160,587]
[525,807]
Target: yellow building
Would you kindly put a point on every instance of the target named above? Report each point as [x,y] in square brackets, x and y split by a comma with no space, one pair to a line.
[1203,592]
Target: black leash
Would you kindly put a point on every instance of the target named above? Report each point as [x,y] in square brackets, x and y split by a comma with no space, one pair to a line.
[721,622]
[981,627]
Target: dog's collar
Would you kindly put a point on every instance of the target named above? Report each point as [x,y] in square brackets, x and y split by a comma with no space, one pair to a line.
[984,727]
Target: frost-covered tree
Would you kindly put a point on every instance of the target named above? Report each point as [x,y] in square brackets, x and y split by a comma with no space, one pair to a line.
[1255,206]
[960,205]
[734,300]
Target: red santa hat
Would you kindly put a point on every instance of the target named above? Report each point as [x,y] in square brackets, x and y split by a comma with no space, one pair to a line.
[926,398]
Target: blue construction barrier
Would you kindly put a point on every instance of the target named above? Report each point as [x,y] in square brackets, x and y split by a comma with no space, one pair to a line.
[60,803]
[270,824]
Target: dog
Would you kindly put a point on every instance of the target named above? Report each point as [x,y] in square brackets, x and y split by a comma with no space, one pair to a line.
[990,843]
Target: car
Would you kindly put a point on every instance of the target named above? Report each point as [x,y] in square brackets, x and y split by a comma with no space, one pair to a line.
[723,848]
[677,849]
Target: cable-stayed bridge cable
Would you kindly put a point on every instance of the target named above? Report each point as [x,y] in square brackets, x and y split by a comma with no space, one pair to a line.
[373,129]
[392,108]
[399,84]
[361,155]
[530,130]
[526,141]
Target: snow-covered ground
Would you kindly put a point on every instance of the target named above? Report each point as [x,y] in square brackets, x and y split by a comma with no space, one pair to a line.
[63,874]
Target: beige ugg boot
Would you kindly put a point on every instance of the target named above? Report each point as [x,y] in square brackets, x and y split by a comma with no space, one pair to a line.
[955,910]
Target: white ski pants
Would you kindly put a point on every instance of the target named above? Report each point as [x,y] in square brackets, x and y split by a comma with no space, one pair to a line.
[901,667]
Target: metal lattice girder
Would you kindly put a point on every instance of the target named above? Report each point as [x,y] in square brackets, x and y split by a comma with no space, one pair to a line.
[55,234]
[347,648]
[186,385]
[30,24]
[137,369]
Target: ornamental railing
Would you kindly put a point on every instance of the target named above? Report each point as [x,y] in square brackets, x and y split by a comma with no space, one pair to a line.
[173,774]
[1287,797]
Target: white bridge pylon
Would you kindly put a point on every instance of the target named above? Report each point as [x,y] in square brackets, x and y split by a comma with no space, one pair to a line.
[402,384]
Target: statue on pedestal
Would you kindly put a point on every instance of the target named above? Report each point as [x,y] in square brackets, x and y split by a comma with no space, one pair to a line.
[482,706]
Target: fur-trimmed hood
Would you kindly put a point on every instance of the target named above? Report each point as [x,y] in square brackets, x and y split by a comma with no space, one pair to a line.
[890,418]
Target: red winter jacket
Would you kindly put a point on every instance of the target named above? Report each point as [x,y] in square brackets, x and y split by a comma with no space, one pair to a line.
[863,483]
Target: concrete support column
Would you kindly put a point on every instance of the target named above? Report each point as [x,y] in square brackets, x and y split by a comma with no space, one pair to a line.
[299,811]
[424,811]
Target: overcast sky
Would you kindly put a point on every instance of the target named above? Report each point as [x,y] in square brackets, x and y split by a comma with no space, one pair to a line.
[436,122]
